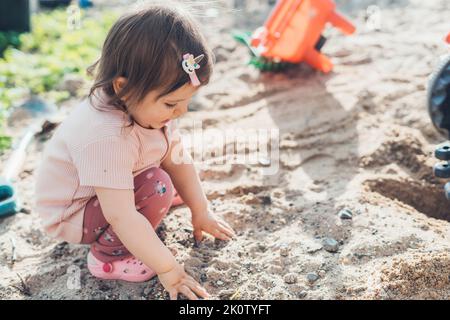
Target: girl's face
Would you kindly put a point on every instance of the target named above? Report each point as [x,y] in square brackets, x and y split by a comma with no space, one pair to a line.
[154,113]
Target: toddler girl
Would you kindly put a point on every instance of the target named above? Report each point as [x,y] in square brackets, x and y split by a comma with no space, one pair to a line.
[106,174]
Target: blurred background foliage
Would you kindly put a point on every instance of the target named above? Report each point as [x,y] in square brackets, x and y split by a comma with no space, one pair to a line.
[37,63]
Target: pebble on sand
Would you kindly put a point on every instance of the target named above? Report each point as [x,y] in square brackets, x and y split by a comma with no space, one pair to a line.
[290,278]
[345,214]
[330,245]
[284,250]
[312,277]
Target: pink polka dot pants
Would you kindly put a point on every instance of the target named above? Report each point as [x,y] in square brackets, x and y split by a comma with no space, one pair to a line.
[153,191]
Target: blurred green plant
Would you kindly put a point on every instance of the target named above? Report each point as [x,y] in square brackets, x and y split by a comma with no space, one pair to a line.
[35,63]
[5,142]
[7,39]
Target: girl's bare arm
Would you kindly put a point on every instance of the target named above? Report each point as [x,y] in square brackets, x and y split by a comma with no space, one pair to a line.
[180,167]
[139,237]
[133,229]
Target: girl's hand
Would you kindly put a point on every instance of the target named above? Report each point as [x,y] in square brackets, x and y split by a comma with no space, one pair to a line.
[177,281]
[211,224]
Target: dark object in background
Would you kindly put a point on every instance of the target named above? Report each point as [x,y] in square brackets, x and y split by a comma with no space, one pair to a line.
[439,110]
[439,97]
[8,38]
[53,3]
[85,3]
[15,15]
[442,169]
[14,19]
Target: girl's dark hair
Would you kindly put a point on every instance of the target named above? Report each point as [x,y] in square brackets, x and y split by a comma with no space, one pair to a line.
[146,47]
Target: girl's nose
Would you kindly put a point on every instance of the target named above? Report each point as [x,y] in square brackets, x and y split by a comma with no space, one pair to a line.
[180,111]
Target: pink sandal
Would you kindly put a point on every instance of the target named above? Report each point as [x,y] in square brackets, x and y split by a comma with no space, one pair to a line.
[127,269]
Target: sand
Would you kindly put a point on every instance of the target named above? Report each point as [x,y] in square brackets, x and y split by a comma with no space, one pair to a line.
[358,139]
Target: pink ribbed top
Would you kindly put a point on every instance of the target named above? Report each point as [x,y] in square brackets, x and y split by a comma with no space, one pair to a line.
[89,149]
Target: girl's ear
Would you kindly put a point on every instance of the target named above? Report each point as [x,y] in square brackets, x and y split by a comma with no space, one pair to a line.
[118,84]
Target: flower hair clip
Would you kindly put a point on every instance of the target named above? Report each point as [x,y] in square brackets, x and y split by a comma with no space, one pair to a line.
[190,64]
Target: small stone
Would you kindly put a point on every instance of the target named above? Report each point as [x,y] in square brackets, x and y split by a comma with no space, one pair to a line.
[219,283]
[226,294]
[321,273]
[330,245]
[312,277]
[25,210]
[277,194]
[266,200]
[302,294]
[104,287]
[262,247]
[284,250]
[250,199]
[147,291]
[312,250]
[124,296]
[345,214]
[203,277]
[290,278]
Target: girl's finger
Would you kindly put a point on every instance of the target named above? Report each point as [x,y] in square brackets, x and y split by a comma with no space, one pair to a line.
[224,223]
[227,230]
[173,294]
[198,235]
[184,289]
[216,233]
[220,235]
[197,288]
[224,230]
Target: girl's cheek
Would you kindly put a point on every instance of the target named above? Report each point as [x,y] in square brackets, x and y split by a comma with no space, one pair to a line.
[182,110]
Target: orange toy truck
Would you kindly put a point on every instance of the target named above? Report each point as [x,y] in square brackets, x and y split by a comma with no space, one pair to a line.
[292,33]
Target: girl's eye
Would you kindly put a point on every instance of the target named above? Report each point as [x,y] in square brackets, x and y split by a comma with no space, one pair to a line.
[170,105]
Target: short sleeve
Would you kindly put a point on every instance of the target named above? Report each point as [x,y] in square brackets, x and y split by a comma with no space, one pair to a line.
[107,163]
[174,131]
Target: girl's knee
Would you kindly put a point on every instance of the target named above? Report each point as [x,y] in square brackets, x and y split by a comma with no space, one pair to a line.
[156,191]
[161,181]
[156,174]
